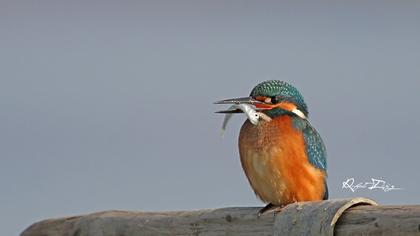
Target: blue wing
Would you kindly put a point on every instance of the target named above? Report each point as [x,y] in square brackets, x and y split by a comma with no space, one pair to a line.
[315,148]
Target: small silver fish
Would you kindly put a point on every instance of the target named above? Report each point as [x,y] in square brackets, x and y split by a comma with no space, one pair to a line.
[249,110]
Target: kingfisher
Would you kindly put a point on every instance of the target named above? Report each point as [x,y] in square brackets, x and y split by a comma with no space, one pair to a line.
[284,157]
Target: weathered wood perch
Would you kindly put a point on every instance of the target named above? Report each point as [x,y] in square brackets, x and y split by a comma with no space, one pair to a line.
[358,216]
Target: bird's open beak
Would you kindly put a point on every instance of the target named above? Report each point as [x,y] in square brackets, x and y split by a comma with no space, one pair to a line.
[230,111]
[244,100]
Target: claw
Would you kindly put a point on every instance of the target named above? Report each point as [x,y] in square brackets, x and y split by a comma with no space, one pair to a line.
[270,208]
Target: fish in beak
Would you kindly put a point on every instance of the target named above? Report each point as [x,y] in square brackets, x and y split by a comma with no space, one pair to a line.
[244,105]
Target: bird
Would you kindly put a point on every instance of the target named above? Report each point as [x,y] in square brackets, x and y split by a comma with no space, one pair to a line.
[284,158]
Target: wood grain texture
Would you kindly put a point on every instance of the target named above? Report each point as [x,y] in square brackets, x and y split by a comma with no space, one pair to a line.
[225,221]
[359,220]
[380,220]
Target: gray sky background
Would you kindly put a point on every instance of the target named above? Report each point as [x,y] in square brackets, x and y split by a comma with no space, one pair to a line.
[109,105]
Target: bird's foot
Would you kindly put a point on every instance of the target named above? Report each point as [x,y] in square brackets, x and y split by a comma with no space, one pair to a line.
[270,208]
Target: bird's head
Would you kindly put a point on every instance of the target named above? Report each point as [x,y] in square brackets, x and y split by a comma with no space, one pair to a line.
[274,95]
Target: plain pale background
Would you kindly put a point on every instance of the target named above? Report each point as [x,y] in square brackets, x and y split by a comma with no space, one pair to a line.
[108,105]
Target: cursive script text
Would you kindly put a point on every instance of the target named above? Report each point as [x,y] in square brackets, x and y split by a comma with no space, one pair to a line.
[373,184]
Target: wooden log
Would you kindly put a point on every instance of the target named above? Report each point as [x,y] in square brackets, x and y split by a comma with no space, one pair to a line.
[357,220]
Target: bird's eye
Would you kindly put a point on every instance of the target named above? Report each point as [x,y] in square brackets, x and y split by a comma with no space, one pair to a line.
[274,100]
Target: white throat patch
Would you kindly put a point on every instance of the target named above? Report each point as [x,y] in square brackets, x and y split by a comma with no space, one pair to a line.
[299,113]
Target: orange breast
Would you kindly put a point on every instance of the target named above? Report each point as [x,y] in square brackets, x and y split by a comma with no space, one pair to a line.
[274,160]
